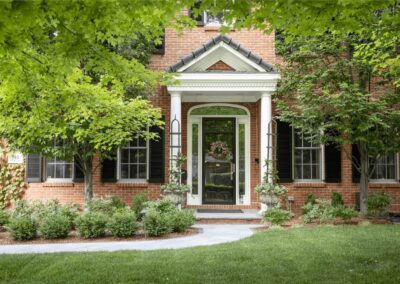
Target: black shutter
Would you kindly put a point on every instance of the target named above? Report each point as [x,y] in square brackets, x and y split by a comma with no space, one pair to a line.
[284,151]
[78,173]
[199,18]
[109,169]
[33,168]
[355,155]
[333,163]
[156,156]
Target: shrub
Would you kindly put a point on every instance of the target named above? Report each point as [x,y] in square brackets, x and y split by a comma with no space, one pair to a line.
[55,226]
[182,219]
[22,227]
[22,208]
[157,223]
[378,204]
[139,202]
[4,217]
[106,206]
[337,199]
[277,216]
[163,206]
[123,223]
[322,210]
[344,212]
[310,201]
[91,225]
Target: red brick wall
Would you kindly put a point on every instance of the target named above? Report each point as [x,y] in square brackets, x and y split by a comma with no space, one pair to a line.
[176,47]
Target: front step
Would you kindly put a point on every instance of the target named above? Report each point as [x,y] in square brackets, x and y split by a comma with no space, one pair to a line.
[215,216]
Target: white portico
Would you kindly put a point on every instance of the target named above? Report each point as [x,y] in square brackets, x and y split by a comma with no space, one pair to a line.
[219,130]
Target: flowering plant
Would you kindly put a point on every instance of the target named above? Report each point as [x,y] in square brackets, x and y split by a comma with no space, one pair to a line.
[219,150]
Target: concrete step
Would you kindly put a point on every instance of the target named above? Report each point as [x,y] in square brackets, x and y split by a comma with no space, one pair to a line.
[220,217]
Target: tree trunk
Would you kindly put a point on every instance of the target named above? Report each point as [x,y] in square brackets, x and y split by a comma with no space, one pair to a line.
[88,171]
[364,177]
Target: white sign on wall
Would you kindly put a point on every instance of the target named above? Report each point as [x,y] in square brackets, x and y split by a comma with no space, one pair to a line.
[15,158]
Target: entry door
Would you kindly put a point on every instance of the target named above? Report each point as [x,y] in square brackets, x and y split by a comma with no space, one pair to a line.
[219,160]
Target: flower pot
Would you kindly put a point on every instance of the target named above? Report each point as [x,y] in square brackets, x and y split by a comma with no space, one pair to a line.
[175,198]
[271,200]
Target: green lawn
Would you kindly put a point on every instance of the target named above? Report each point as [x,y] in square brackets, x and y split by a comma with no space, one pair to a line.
[365,254]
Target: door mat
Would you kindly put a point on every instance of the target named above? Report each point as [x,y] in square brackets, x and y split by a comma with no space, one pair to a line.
[219,211]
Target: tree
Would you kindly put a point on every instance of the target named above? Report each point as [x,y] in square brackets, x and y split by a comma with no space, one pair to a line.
[341,75]
[73,74]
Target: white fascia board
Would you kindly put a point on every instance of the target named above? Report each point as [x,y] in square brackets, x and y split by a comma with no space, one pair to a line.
[228,49]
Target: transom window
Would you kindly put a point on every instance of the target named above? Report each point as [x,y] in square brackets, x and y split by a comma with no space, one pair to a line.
[307,158]
[59,169]
[133,160]
[218,110]
[384,168]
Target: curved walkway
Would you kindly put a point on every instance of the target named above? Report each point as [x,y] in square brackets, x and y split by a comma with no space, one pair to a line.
[210,235]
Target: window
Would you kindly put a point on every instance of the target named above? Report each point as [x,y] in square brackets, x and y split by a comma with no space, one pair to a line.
[59,169]
[133,160]
[384,168]
[213,20]
[307,158]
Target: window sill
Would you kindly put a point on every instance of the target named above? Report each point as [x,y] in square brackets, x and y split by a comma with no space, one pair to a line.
[58,184]
[387,184]
[308,184]
[132,183]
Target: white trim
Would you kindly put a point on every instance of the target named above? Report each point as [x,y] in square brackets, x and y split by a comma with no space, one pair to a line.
[58,180]
[227,48]
[197,119]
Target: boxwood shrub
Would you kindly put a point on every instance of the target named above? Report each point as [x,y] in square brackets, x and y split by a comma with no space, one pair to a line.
[22,227]
[4,218]
[54,226]
[277,216]
[157,223]
[91,225]
[123,223]
[182,219]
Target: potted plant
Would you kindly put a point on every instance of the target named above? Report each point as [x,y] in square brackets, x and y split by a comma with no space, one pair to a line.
[270,192]
[175,190]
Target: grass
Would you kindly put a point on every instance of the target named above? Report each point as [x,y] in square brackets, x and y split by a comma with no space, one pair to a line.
[348,254]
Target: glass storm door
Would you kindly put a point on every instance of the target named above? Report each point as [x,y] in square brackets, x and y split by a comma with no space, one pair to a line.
[219,160]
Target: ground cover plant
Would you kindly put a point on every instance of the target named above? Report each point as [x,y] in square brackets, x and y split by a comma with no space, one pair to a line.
[321,254]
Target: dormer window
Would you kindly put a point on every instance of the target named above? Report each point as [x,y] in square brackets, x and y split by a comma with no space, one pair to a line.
[213,20]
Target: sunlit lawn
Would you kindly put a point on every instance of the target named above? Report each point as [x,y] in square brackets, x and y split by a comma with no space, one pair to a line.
[363,254]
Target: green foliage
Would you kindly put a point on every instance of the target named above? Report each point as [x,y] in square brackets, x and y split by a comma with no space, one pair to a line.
[324,211]
[138,203]
[378,204]
[157,223]
[105,205]
[123,223]
[22,227]
[182,219]
[277,216]
[337,199]
[55,226]
[163,217]
[343,212]
[92,225]
[271,188]
[4,218]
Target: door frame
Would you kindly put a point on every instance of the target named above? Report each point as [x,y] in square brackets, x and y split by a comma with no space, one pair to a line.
[197,199]
[203,159]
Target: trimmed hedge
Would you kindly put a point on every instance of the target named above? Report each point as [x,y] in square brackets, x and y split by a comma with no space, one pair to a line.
[55,226]
[22,228]
[123,223]
[91,225]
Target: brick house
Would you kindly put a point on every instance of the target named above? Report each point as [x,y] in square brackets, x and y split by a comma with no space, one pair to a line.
[222,119]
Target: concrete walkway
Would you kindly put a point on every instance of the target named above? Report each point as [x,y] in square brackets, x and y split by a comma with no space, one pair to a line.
[210,235]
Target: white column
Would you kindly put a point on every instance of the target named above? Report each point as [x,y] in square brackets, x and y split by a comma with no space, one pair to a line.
[266,117]
[176,105]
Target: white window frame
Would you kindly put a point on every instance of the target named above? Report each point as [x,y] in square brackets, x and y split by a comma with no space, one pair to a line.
[321,161]
[396,172]
[205,20]
[131,180]
[55,162]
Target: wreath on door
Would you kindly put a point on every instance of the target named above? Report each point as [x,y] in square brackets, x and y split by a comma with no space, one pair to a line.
[219,150]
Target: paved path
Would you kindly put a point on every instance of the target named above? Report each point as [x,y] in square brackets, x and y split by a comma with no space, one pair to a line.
[210,235]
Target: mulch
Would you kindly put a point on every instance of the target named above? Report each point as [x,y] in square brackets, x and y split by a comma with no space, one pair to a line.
[73,237]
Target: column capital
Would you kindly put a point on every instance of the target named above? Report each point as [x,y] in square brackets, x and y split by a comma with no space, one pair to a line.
[266,95]
[175,94]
